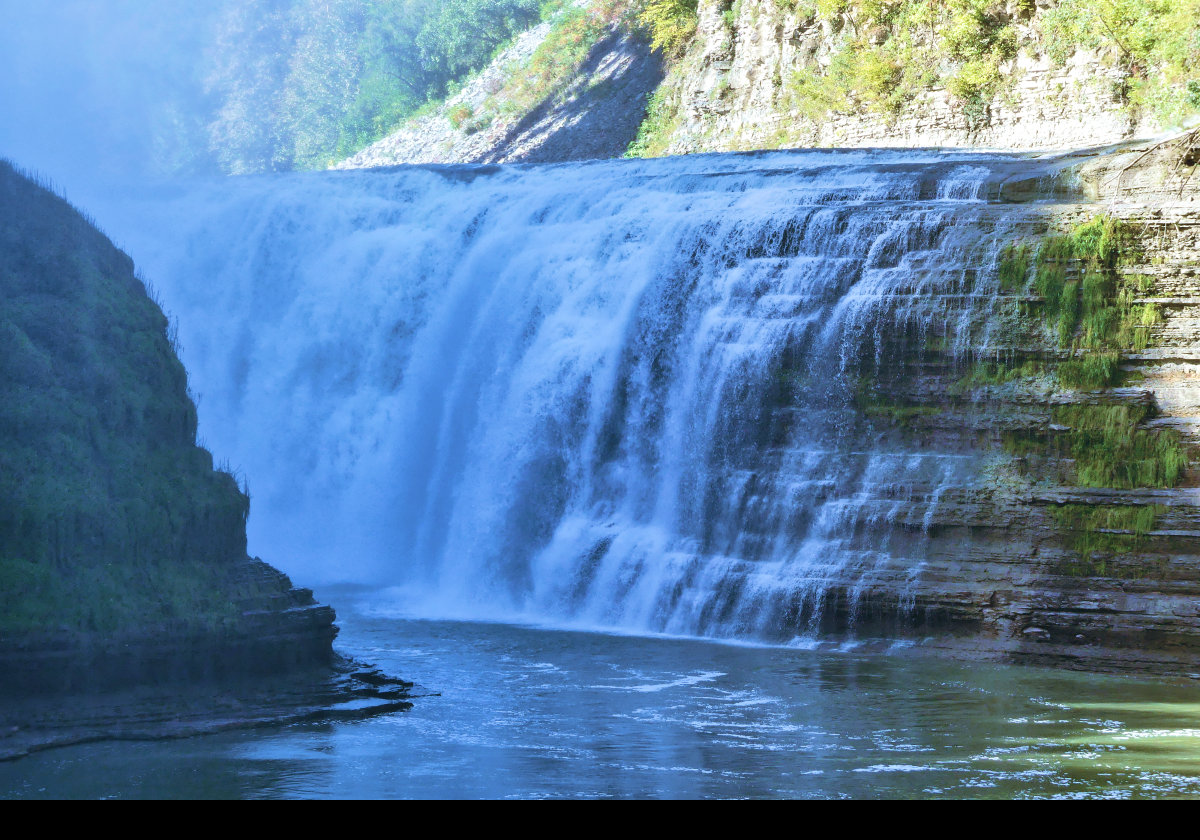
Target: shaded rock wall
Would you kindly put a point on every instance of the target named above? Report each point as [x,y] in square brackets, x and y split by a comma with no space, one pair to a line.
[595,115]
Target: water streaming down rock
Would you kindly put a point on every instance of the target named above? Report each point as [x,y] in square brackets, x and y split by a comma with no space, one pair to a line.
[634,395]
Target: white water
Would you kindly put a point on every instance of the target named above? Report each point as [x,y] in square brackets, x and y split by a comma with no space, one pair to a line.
[615,394]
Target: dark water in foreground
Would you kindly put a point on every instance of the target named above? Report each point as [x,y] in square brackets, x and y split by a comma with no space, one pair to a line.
[526,712]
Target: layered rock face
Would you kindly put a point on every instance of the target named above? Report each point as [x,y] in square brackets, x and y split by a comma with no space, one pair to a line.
[1077,540]
[122,551]
[731,91]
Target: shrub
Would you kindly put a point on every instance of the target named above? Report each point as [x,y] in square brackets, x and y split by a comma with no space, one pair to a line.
[671,24]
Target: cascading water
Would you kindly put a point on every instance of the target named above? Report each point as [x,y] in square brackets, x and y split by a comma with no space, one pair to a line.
[617,394]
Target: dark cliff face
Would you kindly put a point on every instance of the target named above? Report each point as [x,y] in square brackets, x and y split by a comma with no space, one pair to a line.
[113,523]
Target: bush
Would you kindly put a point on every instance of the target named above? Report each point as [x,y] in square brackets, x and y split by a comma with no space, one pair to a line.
[671,24]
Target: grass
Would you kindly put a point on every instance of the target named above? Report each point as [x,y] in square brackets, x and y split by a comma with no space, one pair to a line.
[1014,266]
[554,64]
[877,406]
[1110,450]
[982,374]
[109,511]
[1091,372]
[879,57]
[1105,530]
[658,128]
[1089,307]
[1096,316]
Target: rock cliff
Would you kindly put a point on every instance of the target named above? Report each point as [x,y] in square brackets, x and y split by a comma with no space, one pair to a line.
[1078,541]
[122,551]
[737,88]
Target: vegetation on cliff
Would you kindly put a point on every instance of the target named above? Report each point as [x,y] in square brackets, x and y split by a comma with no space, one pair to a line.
[887,52]
[877,57]
[671,23]
[1086,300]
[110,515]
[335,76]
[553,66]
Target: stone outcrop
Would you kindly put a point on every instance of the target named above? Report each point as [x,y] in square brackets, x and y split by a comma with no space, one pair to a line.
[731,91]
[734,89]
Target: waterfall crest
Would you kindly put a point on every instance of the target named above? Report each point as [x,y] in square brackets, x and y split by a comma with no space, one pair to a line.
[620,394]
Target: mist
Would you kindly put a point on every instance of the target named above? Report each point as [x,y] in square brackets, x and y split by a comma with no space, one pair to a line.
[97,91]
[136,89]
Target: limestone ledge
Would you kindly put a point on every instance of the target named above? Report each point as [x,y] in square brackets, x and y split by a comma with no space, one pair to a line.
[986,568]
[278,629]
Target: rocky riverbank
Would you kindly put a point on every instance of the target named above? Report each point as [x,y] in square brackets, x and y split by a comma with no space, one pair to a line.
[157,712]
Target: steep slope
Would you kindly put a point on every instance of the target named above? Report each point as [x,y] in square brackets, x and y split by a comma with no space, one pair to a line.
[1077,540]
[768,74]
[122,551]
[573,88]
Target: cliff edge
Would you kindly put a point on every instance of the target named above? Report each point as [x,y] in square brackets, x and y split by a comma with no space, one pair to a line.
[122,550]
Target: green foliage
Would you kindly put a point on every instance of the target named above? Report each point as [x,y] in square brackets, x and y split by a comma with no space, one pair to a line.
[1105,445]
[1105,530]
[1091,372]
[1110,450]
[966,46]
[894,50]
[654,134]
[730,15]
[1068,312]
[870,78]
[1014,267]
[878,406]
[301,83]
[459,115]
[1157,42]
[104,496]
[1096,317]
[111,597]
[982,374]
[555,62]
[671,24]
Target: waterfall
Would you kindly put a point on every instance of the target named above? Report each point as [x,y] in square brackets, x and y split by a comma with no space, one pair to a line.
[618,394]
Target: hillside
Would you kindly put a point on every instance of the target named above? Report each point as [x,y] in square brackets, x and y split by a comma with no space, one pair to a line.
[122,551]
[717,76]
[571,88]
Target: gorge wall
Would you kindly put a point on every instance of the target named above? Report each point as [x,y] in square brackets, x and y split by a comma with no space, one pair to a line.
[573,88]
[736,87]
[1070,546]
[122,551]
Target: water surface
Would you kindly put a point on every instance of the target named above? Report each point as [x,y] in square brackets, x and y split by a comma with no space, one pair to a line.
[518,711]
